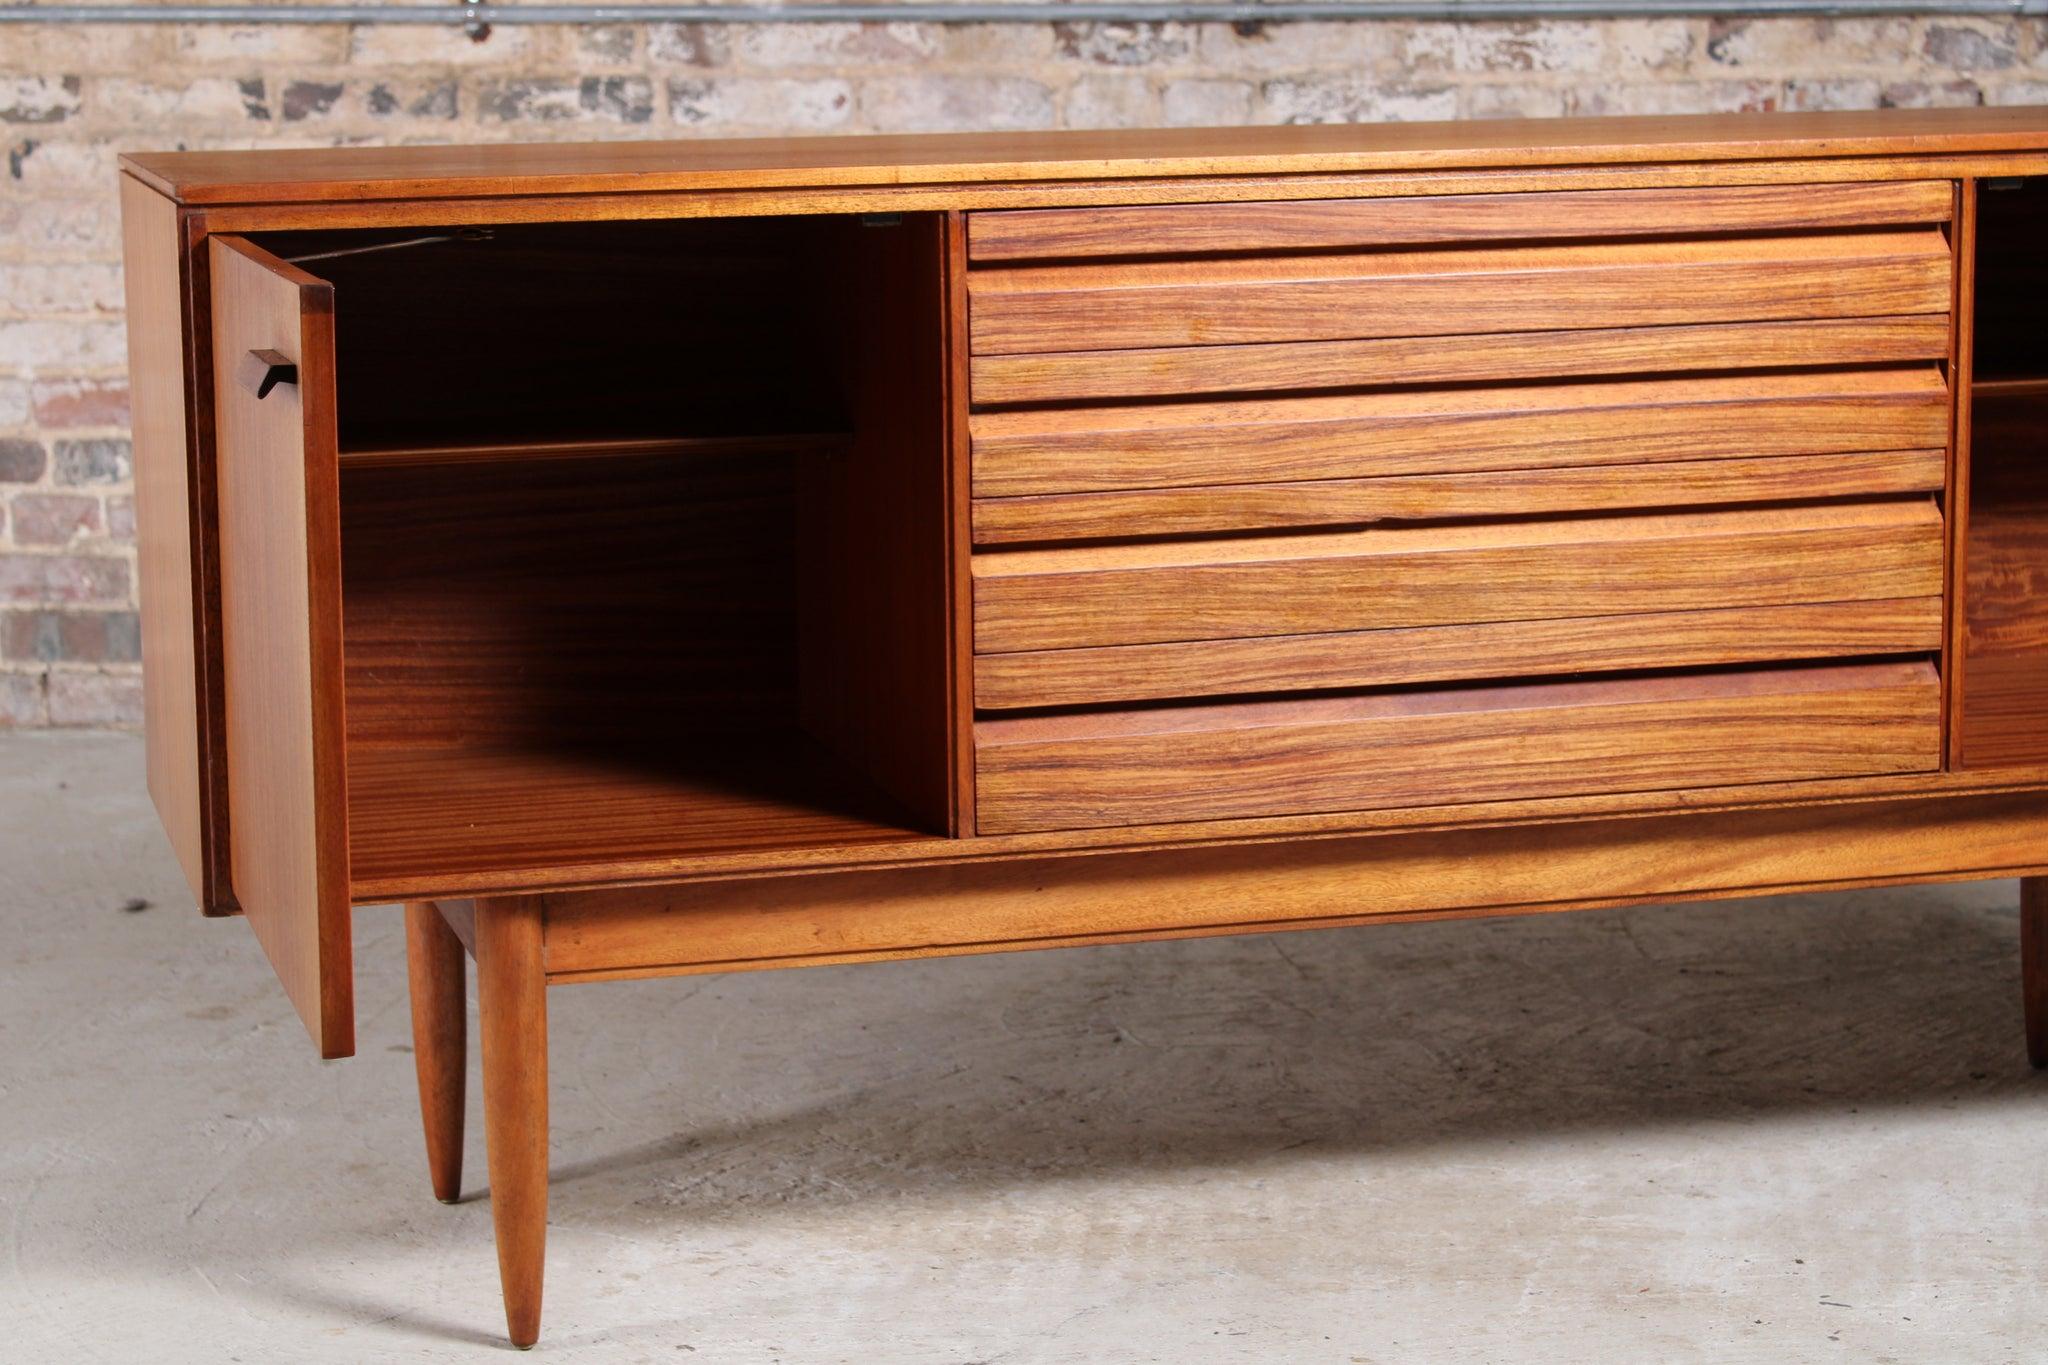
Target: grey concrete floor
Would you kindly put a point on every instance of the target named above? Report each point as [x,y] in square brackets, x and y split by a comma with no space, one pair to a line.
[1786,1130]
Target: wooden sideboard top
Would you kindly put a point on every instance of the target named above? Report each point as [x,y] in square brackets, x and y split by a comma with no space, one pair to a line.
[330,174]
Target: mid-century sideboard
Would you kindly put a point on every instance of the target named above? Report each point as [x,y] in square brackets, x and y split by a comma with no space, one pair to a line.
[695,557]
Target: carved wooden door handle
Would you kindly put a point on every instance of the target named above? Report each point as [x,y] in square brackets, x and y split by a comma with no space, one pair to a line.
[262,371]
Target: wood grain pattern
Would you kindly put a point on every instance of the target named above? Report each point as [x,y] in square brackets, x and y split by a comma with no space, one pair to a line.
[435,971]
[1445,220]
[2034,966]
[203,467]
[2001,720]
[873,585]
[1079,450]
[280,567]
[413,455]
[620,619]
[1493,743]
[1214,187]
[2002,713]
[1449,293]
[512,1017]
[1048,902]
[2001,692]
[925,850]
[434,819]
[1452,575]
[1424,497]
[537,602]
[329,174]
[1394,658]
[167,589]
[1183,371]
[959,530]
[1956,499]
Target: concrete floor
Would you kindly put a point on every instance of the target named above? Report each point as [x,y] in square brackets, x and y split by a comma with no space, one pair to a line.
[1788,1130]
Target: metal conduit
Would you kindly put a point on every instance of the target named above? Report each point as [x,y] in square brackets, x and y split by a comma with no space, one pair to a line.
[478,17]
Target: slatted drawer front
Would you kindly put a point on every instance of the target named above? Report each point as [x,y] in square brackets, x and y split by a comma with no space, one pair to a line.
[1443,576]
[1338,224]
[1438,293]
[1523,263]
[1352,338]
[1222,454]
[1488,744]
[1495,649]
[1425,431]
[1174,371]
[1297,504]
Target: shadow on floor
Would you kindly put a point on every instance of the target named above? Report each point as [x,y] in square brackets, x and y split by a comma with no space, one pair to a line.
[1374,1041]
[933,1089]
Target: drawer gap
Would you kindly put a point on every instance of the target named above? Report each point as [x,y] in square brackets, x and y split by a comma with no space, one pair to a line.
[1448,687]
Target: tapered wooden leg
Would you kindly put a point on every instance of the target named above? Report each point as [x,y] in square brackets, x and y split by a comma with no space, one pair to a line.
[2034,965]
[513,1016]
[440,1039]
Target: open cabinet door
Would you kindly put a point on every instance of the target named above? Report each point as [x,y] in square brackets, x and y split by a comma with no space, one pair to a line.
[278,479]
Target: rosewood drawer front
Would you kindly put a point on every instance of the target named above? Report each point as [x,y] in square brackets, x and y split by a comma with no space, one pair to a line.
[1078,625]
[1037,452]
[1369,300]
[1225,454]
[1446,293]
[1535,265]
[1393,498]
[1482,744]
[1067,598]
[1371,224]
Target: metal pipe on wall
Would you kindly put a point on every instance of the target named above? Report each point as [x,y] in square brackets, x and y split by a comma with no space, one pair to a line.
[480,16]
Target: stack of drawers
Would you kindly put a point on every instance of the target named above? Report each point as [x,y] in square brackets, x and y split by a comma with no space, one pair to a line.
[1314,506]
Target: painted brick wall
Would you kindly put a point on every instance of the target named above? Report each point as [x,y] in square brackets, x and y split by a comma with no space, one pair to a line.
[70,98]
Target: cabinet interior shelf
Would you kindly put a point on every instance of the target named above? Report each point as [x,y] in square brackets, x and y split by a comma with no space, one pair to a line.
[441,819]
[2010,386]
[407,454]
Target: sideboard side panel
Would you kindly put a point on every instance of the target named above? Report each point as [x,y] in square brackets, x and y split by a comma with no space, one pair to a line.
[152,247]
[960,541]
